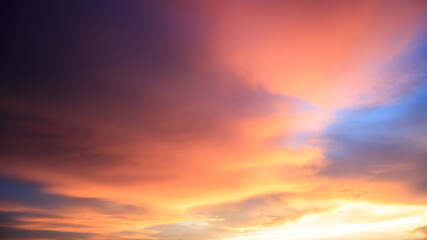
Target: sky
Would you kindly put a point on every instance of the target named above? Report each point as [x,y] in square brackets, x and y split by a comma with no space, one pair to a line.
[213,120]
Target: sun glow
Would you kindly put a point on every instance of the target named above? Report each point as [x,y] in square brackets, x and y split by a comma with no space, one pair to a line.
[348,221]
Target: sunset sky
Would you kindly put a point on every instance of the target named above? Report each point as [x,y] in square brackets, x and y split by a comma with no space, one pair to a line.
[213,120]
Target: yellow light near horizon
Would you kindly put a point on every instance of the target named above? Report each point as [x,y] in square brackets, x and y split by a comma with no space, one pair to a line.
[352,221]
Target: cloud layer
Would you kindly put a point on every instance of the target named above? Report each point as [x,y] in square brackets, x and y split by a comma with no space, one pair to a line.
[212,120]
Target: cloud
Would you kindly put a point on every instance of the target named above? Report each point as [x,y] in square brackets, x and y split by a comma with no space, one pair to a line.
[12,233]
[191,231]
[110,99]
[256,211]
[119,110]
[32,194]
[30,207]
[421,230]
[181,120]
[382,142]
[315,52]
[230,219]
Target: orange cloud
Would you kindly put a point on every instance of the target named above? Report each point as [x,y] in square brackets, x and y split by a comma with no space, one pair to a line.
[204,120]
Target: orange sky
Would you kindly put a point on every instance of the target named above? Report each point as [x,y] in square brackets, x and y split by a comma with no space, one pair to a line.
[214,120]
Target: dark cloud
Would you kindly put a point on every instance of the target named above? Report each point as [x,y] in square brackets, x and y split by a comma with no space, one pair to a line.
[31,194]
[13,219]
[51,211]
[13,233]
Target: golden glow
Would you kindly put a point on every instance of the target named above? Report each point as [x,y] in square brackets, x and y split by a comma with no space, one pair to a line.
[349,221]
